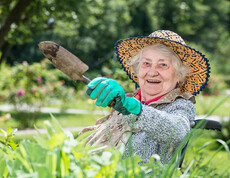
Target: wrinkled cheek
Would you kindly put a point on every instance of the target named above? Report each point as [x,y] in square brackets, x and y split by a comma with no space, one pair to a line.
[142,74]
[140,78]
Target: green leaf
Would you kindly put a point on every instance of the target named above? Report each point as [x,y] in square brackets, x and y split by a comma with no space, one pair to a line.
[83,137]
[2,140]
[49,129]
[41,141]
[12,144]
[65,164]
[55,140]
[13,132]
[56,125]
[24,162]
[39,134]
[9,130]
[51,162]
[225,145]
[3,132]
[36,153]
[3,169]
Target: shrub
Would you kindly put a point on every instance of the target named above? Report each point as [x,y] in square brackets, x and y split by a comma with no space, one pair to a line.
[29,87]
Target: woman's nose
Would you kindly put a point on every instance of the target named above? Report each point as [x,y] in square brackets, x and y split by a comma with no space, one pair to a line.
[153,72]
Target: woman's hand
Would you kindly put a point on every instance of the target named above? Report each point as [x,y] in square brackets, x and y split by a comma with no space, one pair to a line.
[106,90]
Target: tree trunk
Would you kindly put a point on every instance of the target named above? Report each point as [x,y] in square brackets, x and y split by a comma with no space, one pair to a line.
[5,48]
[13,17]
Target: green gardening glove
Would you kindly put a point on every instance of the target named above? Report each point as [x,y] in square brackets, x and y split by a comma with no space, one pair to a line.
[106,90]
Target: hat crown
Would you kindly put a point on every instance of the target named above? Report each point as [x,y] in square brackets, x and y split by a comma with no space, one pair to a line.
[169,35]
[199,64]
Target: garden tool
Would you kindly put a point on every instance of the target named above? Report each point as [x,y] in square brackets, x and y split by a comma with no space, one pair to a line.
[65,61]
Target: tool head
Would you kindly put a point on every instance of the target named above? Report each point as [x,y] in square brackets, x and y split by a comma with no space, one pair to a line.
[63,60]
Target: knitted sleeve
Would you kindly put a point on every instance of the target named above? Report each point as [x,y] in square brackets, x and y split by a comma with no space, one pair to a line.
[171,124]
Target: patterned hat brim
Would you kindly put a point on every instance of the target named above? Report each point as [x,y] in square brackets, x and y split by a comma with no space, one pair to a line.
[199,64]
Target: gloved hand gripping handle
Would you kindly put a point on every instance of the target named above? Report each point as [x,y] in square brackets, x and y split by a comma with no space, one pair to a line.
[89,90]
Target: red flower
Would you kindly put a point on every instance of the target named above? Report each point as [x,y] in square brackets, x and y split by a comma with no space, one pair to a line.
[21,93]
[25,63]
[39,79]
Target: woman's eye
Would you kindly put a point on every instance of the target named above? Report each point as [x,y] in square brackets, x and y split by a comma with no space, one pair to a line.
[164,65]
[146,63]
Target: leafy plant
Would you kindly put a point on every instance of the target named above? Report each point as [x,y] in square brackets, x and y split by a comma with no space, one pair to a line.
[7,140]
[29,87]
[58,154]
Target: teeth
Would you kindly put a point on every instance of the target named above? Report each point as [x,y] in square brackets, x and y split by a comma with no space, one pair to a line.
[154,81]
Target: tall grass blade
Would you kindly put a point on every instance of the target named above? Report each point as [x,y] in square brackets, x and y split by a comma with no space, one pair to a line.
[56,125]
[187,169]
[3,132]
[49,129]
[217,106]
[223,145]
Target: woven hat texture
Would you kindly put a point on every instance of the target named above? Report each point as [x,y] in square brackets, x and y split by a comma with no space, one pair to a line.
[199,64]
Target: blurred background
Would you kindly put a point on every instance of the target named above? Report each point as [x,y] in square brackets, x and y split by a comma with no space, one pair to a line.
[89,29]
[31,88]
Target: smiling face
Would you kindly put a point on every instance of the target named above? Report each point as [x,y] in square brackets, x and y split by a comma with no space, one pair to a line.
[157,75]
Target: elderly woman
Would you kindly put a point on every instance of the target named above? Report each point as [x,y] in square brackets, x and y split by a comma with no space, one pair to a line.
[161,113]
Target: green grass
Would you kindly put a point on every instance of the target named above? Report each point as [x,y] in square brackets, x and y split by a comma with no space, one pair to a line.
[77,103]
[204,104]
[219,163]
[71,120]
[19,138]
[65,120]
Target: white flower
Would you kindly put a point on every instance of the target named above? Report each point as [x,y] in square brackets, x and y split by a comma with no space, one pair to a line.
[156,157]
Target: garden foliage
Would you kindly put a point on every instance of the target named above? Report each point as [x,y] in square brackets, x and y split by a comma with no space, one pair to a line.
[29,87]
[224,134]
[91,28]
[59,154]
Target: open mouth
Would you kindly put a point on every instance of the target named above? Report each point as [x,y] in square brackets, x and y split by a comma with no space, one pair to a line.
[153,81]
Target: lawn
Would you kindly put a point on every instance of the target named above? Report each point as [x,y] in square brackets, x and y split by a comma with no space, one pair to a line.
[65,120]
[208,156]
[204,104]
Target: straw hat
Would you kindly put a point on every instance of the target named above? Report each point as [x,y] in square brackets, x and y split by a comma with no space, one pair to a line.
[198,78]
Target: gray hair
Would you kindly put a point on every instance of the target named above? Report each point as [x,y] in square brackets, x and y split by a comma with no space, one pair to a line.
[182,71]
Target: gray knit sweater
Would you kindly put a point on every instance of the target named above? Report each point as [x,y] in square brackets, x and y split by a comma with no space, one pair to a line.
[160,123]
[166,124]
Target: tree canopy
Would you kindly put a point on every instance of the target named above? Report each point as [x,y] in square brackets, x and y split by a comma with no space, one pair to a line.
[90,28]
